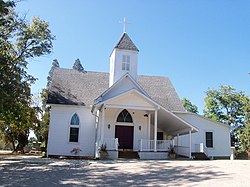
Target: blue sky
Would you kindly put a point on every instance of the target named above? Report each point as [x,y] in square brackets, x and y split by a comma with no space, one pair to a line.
[198,44]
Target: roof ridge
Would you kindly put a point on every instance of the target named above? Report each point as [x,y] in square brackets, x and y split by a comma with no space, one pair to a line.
[70,69]
[154,76]
[90,71]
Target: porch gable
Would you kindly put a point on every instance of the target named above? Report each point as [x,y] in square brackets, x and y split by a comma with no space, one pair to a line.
[131,100]
[124,84]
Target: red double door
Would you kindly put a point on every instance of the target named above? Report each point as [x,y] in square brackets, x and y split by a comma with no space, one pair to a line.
[125,135]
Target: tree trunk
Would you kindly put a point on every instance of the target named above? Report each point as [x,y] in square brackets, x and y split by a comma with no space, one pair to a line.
[46,143]
[248,154]
[13,145]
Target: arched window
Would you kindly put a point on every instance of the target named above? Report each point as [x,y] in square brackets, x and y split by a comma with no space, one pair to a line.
[124,116]
[74,120]
[74,128]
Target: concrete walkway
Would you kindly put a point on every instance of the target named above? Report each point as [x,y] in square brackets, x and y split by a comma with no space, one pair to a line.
[34,171]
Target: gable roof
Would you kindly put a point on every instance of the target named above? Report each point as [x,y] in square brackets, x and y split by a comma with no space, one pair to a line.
[130,92]
[71,87]
[126,43]
[161,90]
[119,83]
[179,113]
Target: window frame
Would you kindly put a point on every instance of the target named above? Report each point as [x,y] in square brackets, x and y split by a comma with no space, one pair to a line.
[211,140]
[126,62]
[124,117]
[74,126]
[73,136]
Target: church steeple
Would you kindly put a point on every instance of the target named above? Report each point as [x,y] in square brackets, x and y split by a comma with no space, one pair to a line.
[126,43]
[123,59]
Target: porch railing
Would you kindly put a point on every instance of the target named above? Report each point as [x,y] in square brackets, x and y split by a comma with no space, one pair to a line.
[148,145]
[182,150]
[201,147]
[111,144]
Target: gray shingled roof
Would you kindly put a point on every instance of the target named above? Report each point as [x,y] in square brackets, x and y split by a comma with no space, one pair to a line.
[71,87]
[126,43]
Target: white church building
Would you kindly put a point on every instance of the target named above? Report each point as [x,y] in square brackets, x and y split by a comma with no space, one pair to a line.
[122,111]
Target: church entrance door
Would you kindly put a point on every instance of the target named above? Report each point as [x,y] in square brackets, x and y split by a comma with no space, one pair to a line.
[125,135]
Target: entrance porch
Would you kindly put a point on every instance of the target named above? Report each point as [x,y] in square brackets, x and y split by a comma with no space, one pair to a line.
[133,121]
[150,133]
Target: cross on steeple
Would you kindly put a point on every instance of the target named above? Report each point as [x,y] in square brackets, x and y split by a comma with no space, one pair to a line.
[124,24]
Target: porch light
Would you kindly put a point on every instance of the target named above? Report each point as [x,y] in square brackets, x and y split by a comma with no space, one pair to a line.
[140,127]
[108,126]
[145,115]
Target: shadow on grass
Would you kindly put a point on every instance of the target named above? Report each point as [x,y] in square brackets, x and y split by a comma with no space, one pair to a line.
[51,172]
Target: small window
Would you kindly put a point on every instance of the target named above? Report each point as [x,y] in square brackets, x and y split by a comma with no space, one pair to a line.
[74,134]
[124,116]
[124,58]
[128,58]
[74,128]
[127,66]
[126,62]
[209,139]
[123,66]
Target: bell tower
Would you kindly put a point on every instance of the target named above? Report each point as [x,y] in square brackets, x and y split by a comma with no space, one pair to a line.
[123,59]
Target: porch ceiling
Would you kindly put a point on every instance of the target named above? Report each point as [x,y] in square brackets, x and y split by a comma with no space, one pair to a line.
[172,124]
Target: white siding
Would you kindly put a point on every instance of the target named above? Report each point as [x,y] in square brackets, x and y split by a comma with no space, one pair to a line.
[221,135]
[58,142]
[124,85]
[131,100]
[116,71]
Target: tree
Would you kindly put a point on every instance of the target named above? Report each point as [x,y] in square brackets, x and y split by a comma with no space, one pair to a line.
[227,106]
[78,66]
[5,7]
[19,42]
[189,106]
[244,138]
[42,127]
[244,132]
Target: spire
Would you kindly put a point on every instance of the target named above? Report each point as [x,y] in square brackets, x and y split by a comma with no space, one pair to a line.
[124,22]
[124,25]
[126,43]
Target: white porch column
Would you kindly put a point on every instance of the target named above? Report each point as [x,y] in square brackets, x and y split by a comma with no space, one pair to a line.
[97,134]
[155,131]
[177,142]
[149,119]
[149,128]
[190,144]
[103,122]
[98,126]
